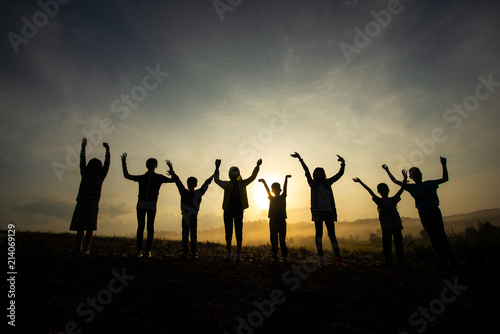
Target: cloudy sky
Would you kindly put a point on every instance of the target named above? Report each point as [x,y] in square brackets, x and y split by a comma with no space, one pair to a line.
[376,82]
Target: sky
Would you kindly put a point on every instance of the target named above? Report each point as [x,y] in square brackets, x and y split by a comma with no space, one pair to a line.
[394,82]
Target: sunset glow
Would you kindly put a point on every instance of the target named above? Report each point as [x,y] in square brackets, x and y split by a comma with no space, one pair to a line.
[186,82]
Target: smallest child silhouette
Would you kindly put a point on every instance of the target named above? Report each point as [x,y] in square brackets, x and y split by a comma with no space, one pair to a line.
[277,218]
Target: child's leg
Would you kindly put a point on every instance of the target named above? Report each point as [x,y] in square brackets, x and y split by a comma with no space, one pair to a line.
[88,238]
[432,221]
[273,234]
[193,227]
[79,239]
[141,223]
[282,237]
[330,227]
[185,234]
[151,229]
[387,246]
[228,226]
[398,244]
[238,230]
[318,225]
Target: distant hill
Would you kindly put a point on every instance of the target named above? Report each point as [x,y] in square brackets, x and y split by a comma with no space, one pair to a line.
[459,222]
[257,232]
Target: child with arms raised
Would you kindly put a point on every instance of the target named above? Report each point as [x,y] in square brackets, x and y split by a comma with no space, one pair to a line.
[235,201]
[390,222]
[190,206]
[323,206]
[89,194]
[277,218]
[149,187]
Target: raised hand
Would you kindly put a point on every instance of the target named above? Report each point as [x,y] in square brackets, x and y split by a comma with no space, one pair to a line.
[443,160]
[84,142]
[106,146]
[405,174]
[170,170]
[295,155]
[261,180]
[288,176]
[169,164]
[385,167]
[356,179]
[259,162]
[217,163]
[124,156]
[342,161]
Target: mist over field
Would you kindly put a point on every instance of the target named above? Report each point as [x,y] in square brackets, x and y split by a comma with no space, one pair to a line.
[302,234]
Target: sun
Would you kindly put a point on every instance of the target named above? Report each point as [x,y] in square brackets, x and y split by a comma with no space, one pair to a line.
[260,197]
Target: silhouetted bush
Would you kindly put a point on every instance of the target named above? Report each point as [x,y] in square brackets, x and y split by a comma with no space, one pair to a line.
[474,246]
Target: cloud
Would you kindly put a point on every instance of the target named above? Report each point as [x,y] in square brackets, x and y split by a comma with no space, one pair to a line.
[115,210]
[227,82]
[48,207]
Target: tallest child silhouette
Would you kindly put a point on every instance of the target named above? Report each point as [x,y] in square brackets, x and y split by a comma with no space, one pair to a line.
[89,194]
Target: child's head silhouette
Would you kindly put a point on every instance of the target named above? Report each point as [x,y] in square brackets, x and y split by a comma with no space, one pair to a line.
[415,174]
[276,188]
[234,173]
[192,182]
[383,189]
[94,164]
[151,164]
[319,174]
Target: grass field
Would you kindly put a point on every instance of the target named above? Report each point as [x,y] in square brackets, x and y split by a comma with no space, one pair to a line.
[110,291]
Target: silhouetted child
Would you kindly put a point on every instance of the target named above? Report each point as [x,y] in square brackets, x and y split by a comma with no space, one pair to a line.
[390,222]
[235,201]
[89,194]
[323,206]
[277,218]
[427,204]
[190,206]
[149,187]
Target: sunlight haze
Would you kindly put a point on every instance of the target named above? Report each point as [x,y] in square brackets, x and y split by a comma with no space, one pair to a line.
[183,81]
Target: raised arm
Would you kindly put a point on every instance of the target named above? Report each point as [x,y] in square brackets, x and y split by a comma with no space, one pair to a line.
[304,166]
[445,177]
[285,184]
[217,174]
[107,159]
[405,181]
[204,187]
[341,171]
[393,179]
[174,176]
[254,173]
[83,160]
[124,167]
[358,180]
[265,186]
[170,170]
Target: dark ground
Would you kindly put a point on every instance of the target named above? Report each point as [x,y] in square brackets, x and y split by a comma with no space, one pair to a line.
[167,295]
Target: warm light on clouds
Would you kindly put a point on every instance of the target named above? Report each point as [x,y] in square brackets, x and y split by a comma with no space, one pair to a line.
[173,81]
